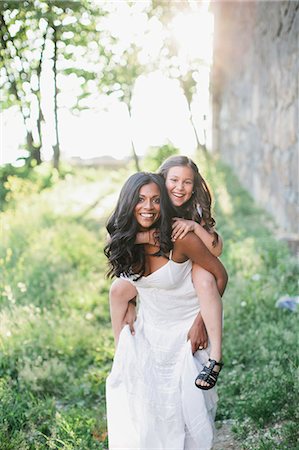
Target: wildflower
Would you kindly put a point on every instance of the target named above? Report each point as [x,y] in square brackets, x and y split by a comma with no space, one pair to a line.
[256,277]
[8,293]
[22,286]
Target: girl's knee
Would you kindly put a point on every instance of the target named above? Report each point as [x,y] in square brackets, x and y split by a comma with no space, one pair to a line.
[121,290]
[203,278]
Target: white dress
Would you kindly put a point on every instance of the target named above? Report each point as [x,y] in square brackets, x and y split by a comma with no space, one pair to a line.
[152,400]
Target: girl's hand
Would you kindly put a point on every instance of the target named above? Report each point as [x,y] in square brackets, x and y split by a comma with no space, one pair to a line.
[130,317]
[181,227]
[148,237]
[198,335]
[154,237]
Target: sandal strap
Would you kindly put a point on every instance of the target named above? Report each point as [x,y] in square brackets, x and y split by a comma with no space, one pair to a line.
[208,374]
[209,378]
[214,363]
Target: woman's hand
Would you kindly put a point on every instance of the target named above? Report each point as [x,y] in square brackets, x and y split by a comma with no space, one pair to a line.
[181,227]
[130,317]
[198,334]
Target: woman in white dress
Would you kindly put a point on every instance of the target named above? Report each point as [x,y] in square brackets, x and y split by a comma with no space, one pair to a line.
[152,400]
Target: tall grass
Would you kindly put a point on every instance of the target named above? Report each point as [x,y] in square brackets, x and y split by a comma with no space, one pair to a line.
[56,343]
[259,383]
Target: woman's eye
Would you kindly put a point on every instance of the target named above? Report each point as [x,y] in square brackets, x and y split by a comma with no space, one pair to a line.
[140,199]
[157,201]
[173,179]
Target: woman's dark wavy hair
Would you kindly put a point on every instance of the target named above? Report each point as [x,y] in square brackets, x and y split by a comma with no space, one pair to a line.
[200,198]
[124,256]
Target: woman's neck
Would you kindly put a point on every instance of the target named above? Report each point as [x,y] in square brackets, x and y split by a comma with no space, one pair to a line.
[151,249]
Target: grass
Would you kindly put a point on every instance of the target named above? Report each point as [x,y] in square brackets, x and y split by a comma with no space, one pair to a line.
[55,339]
[258,385]
[56,344]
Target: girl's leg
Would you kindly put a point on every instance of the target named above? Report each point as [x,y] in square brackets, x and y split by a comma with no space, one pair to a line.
[121,291]
[211,310]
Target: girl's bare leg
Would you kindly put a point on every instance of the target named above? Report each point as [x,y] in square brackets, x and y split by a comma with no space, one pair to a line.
[121,291]
[211,310]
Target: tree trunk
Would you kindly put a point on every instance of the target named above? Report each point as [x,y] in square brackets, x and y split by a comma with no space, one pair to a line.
[56,147]
[34,150]
[135,156]
[40,117]
[198,144]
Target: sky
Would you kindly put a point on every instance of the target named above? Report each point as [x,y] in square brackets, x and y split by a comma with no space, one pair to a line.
[159,108]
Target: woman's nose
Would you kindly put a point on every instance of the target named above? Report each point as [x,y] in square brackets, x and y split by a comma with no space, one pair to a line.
[148,204]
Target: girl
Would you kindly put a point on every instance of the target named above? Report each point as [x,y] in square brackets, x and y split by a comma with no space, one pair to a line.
[191,199]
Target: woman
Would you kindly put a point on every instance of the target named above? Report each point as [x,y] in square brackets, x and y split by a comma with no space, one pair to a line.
[152,401]
[191,199]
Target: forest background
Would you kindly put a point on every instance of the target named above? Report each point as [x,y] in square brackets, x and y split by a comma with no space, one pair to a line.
[56,342]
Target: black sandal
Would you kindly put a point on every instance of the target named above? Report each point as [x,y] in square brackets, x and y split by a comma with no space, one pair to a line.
[209,375]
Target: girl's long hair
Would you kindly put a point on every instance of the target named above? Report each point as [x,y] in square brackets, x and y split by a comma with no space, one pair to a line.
[198,208]
[124,256]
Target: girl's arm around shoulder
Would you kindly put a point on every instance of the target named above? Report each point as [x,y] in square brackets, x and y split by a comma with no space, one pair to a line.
[148,237]
[192,247]
[181,227]
[209,239]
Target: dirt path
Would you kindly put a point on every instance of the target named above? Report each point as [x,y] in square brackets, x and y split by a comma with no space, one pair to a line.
[224,438]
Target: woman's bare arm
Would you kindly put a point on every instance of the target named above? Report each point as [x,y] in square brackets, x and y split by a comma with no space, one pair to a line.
[181,227]
[192,247]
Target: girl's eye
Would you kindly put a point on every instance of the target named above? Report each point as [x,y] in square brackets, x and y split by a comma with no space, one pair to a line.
[157,201]
[173,179]
[188,182]
[140,199]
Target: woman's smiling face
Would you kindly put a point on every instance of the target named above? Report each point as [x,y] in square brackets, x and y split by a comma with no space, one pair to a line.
[147,210]
[179,184]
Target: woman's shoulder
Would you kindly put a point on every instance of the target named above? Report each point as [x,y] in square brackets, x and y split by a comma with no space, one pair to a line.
[187,242]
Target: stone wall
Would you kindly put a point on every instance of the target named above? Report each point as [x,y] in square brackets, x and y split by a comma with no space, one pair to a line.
[255,101]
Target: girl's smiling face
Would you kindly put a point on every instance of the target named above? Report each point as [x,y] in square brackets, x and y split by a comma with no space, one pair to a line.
[147,210]
[179,184]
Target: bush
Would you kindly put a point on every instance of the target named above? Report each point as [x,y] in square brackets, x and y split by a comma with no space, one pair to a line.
[155,156]
[17,183]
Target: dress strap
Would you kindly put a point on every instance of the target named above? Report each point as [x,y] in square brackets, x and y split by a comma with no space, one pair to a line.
[170,255]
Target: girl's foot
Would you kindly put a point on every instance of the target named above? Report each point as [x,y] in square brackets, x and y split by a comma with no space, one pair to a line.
[207,378]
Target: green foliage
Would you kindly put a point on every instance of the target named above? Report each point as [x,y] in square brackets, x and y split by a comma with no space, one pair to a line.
[155,156]
[29,31]
[56,341]
[17,183]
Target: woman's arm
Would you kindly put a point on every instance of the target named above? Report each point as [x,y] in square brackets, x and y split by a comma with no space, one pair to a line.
[192,247]
[198,334]
[181,227]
